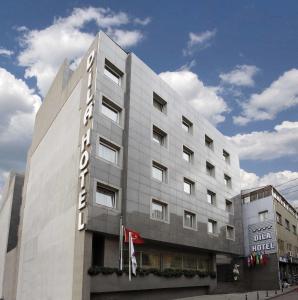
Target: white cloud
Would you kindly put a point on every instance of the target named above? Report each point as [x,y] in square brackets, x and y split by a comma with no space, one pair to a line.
[278,179]
[5,52]
[266,145]
[198,41]
[125,38]
[44,50]
[18,106]
[143,22]
[204,98]
[281,95]
[241,75]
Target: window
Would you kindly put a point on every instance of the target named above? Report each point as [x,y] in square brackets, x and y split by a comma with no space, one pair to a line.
[211,197]
[188,186]
[159,103]
[281,245]
[106,196]
[230,232]
[172,261]
[228,181]
[159,210]
[159,136]
[229,206]
[289,247]
[212,226]
[108,151]
[210,169]
[287,224]
[278,218]
[263,215]
[159,172]
[150,260]
[190,220]
[187,154]
[294,229]
[186,125]
[110,110]
[112,72]
[208,142]
[226,156]
[189,262]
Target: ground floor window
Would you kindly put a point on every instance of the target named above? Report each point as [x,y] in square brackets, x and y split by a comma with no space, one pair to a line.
[162,261]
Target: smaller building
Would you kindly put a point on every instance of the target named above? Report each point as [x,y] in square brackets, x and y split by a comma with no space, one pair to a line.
[9,237]
[270,238]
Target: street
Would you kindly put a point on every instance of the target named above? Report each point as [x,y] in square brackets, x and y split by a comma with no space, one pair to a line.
[290,296]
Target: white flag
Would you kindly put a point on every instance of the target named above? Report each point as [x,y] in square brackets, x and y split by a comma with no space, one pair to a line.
[133,257]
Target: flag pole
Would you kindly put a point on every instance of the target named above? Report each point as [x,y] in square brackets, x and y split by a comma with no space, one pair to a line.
[129,256]
[121,245]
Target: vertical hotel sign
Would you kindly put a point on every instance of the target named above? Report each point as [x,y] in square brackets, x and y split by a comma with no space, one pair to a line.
[85,143]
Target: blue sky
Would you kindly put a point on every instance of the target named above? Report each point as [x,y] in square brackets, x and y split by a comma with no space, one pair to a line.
[234,61]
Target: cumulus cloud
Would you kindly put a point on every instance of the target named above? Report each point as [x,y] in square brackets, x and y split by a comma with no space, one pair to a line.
[44,50]
[241,75]
[5,52]
[204,98]
[143,22]
[284,181]
[197,41]
[266,145]
[18,106]
[281,95]
[125,38]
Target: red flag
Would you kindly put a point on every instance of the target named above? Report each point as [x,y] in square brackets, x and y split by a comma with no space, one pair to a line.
[136,237]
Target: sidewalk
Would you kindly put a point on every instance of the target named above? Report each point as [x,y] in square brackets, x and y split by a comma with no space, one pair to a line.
[242,296]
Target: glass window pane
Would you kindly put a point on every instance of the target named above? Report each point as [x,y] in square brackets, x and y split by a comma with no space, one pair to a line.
[186,156]
[159,210]
[109,112]
[112,75]
[105,197]
[107,153]
[150,260]
[185,127]
[157,173]
[189,262]
[172,261]
[187,187]
[211,226]
[157,105]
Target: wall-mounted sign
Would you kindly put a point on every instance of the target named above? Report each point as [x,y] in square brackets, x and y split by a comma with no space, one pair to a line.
[85,156]
[283,259]
[262,237]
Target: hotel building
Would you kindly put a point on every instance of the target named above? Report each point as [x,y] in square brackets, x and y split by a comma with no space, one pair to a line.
[270,227]
[113,141]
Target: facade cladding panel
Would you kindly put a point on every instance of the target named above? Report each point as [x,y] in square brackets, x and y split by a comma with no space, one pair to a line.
[54,255]
[132,176]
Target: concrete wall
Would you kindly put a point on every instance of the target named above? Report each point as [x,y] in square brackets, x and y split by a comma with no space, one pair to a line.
[47,246]
[5,214]
[11,274]
[114,283]
[9,224]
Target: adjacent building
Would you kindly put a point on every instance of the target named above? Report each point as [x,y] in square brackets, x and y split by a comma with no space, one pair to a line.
[113,141]
[9,239]
[270,227]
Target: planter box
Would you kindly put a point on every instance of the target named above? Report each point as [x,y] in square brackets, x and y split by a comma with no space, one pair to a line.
[114,283]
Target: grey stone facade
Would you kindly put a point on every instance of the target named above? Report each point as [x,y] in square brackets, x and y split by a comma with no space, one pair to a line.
[58,233]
